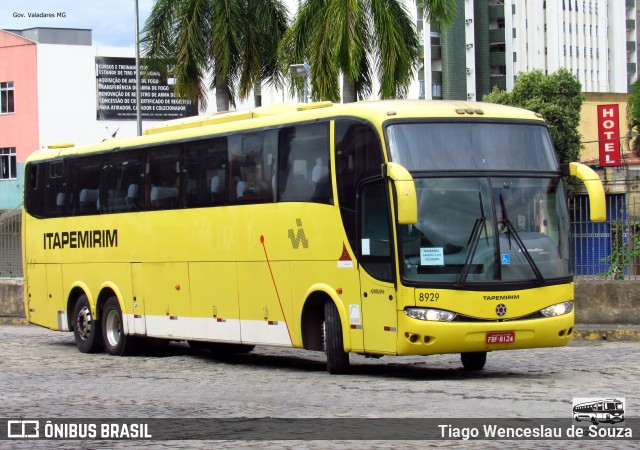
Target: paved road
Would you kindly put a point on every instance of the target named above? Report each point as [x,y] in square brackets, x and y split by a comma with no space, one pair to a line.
[43,375]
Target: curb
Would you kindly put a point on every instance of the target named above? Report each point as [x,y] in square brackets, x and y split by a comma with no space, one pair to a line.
[589,332]
[13,320]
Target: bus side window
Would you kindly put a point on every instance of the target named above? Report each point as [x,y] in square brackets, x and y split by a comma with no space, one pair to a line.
[55,195]
[204,177]
[35,188]
[83,185]
[303,164]
[375,241]
[162,178]
[250,172]
[120,180]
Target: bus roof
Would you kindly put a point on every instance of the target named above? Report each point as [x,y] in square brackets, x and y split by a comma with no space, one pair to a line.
[228,122]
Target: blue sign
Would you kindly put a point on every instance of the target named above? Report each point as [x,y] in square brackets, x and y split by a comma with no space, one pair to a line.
[506,258]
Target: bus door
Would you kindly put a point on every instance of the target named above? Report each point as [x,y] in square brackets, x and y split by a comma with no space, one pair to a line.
[379,315]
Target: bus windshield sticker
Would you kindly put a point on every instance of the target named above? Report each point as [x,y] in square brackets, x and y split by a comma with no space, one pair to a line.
[366,247]
[433,256]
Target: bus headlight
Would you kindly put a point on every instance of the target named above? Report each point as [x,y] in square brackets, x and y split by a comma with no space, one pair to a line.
[437,315]
[557,310]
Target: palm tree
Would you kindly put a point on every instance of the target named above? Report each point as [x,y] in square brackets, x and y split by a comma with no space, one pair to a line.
[232,44]
[356,37]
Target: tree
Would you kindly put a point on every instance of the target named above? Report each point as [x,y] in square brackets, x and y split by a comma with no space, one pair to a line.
[234,43]
[558,97]
[356,38]
[633,120]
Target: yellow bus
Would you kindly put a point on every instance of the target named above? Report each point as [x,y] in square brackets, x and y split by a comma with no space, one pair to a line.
[377,228]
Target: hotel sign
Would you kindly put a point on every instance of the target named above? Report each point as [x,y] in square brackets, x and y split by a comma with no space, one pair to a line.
[609,135]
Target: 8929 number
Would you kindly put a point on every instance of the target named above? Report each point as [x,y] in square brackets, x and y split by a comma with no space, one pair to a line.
[428,297]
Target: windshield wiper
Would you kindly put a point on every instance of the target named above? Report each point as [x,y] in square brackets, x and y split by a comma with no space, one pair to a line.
[511,231]
[479,225]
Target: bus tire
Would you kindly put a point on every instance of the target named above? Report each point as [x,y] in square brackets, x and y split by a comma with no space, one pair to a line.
[116,342]
[86,330]
[473,360]
[337,358]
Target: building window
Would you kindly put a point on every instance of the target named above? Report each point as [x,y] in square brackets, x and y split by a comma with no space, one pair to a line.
[8,163]
[436,90]
[435,38]
[6,97]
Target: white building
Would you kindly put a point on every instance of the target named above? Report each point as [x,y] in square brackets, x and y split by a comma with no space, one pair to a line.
[492,41]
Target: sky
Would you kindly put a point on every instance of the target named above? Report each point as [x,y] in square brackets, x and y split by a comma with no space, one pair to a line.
[113,22]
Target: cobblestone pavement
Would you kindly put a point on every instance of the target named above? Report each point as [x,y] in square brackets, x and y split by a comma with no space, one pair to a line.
[43,375]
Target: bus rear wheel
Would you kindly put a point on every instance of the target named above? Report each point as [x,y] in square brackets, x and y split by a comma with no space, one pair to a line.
[116,342]
[86,330]
[337,358]
[473,360]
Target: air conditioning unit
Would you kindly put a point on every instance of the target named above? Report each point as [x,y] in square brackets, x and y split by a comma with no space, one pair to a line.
[468,70]
[468,21]
[470,95]
[469,46]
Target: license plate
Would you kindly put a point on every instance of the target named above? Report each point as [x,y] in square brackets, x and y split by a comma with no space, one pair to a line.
[504,337]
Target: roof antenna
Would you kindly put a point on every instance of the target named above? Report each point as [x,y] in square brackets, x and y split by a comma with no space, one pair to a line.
[113,136]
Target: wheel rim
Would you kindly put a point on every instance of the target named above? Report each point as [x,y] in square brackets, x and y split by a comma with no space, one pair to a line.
[84,323]
[113,328]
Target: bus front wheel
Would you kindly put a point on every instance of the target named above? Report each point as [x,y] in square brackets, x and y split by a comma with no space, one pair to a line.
[86,330]
[473,360]
[337,358]
[116,342]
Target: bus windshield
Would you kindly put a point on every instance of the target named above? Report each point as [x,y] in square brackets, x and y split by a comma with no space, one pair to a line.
[487,229]
[427,146]
[611,406]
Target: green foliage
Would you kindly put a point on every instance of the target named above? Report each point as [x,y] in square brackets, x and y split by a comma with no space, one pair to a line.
[357,38]
[633,120]
[235,40]
[622,253]
[558,97]
[439,13]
